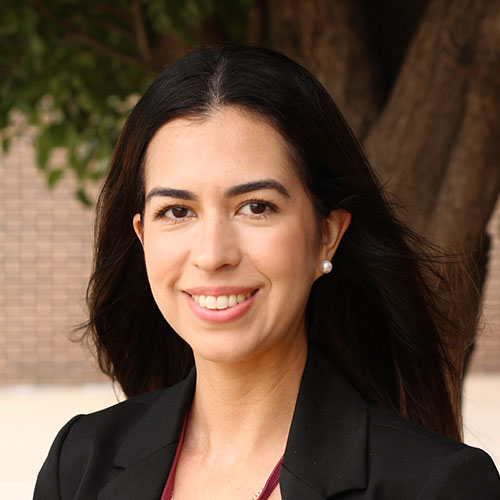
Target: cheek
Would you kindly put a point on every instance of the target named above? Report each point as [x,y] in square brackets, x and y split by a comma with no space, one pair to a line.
[288,255]
[163,256]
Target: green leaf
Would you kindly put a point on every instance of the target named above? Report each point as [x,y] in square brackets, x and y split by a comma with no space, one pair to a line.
[157,14]
[54,176]
[33,116]
[43,148]
[89,87]
[4,120]
[53,136]
[5,145]
[82,196]
[37,46]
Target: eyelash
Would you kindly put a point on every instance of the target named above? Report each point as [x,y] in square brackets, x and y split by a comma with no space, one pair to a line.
[160,213]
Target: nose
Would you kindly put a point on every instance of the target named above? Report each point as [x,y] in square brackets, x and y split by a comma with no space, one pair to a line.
[215,244]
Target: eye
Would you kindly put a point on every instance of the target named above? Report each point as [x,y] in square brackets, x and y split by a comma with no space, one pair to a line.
[257,208]
[174,213]
[178,212]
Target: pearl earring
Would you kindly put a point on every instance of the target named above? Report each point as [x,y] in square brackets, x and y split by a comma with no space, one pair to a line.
[325,266]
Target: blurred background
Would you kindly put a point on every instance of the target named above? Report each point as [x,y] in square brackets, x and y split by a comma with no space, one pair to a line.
[418,82]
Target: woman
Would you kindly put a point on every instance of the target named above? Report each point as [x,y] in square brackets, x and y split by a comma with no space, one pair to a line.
[234,187]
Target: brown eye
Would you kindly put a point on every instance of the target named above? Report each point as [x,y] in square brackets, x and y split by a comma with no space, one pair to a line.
[179,212]
[174,213]
[257,208]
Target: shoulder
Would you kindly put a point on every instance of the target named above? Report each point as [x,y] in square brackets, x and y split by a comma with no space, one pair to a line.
[75,445]
[389,429]
[404,454]
[339,443]
[90,450]
[112,423]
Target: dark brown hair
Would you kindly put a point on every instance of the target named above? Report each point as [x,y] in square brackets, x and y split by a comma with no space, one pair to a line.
[375,316]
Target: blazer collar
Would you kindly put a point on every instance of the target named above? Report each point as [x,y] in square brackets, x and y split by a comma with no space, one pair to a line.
[147,455]
[161,425]
[325,452]
[326,449]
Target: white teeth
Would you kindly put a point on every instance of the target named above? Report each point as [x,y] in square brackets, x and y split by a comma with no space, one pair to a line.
[221,301]
[211,302]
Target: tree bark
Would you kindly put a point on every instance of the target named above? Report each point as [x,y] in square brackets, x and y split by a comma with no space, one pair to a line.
[434,141]
[332,40]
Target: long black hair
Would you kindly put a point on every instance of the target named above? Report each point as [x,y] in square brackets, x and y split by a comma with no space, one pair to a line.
[375,316]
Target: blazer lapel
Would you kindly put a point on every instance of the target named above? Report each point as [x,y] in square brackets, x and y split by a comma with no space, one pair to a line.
[325,452]
[326,448]
[144,479]
[145,458]
[295,488]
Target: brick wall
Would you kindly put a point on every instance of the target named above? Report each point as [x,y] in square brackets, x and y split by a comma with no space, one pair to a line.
[45,256]
[486,356]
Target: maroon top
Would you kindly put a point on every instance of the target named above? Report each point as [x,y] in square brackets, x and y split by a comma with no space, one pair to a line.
[271,483]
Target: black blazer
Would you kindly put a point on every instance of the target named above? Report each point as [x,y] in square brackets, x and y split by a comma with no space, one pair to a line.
[339,447]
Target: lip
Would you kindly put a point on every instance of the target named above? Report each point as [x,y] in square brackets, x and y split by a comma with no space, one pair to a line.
[220,315]
[220,290]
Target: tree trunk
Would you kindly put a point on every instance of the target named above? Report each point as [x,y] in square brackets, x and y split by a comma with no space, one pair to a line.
[332,40]
[434,141]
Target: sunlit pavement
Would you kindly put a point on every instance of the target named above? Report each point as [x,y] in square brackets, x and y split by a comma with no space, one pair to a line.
[481,411]
[30,417]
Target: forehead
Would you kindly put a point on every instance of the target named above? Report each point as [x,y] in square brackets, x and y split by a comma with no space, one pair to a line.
[228,146]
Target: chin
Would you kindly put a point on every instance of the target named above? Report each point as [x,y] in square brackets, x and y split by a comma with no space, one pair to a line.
[221,349]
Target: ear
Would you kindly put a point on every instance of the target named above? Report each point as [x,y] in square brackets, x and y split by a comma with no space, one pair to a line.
[333,228]
[138,227]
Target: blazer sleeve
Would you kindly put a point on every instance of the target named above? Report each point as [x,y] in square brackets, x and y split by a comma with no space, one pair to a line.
[47,484]
[468,474]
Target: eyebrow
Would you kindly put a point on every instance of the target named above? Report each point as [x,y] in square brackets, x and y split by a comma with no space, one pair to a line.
[248,187]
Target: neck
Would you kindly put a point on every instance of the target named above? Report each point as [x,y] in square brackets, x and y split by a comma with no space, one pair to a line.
[245,408]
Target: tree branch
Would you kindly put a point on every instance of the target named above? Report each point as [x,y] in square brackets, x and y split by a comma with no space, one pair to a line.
[140,30]
[86,39]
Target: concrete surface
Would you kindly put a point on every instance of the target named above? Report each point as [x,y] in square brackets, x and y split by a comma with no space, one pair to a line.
[481,411]
[30,417]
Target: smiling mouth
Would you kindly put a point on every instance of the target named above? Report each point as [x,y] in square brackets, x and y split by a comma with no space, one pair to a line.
[220,302]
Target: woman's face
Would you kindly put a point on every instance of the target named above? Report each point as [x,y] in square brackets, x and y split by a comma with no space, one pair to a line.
[230,239]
